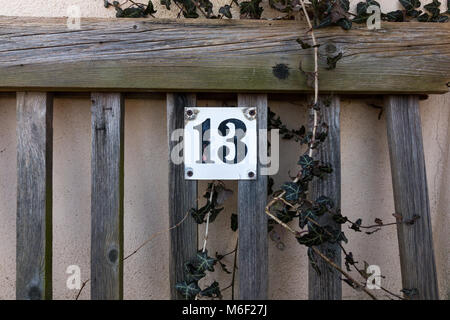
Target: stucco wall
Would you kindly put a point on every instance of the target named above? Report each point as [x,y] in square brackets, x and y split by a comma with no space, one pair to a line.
[366,186]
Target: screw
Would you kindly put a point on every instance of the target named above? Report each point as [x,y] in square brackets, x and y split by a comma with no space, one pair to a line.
[190,173]
[189,112]
[252,112]
[251,174]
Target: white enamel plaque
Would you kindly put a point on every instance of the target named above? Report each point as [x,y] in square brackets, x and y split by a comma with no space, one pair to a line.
[220,143]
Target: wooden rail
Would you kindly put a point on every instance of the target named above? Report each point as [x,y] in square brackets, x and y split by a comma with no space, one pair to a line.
[219,55]
[251,58]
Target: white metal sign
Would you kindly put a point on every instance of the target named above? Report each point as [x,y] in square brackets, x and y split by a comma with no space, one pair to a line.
[220,143]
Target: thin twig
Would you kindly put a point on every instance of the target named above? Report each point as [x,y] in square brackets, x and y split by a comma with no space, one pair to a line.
[81,289]
[233,277]
[331,263]
[205,238]
[141,246]
[156,235]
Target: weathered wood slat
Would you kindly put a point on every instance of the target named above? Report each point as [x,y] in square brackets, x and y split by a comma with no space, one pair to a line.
[34,196]
[219,55]
[107,196]
[411,195]
[252,220]
[327,285]
[183,240]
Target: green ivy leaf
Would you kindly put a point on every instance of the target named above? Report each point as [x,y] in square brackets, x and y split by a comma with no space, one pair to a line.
[188,290]
[293,191]
[410,4]
[166,3]
[345,24]
[225,10]
[129,13]
[337,12]
[413,13]
[338,218]
[433,8]
[306,161]
[234,221]
[304,217]
[394,16]
[251,9]
[338,235]
[355,226]
[207,7]
[424,17]
[150,9]
[314,237]
[345,4]
[349,261]
[192,274]
[203,262]
[325,22]
[200,214]
[303,44]
[285,215]
[410,292]
[326,201]
[214,213]
[213,291]
[190,10]
[440,19]
[361,11]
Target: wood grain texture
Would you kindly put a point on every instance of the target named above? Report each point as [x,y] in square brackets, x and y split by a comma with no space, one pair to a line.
[252,220]
[219,55]
[107,167]
[327,285]
[182,197]
[411,195]
[34,196]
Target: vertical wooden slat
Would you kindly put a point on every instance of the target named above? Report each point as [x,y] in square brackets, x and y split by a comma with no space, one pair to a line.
[182,197]
[107,196]
[252,220]
[34,196]
[327,285]
[411,195]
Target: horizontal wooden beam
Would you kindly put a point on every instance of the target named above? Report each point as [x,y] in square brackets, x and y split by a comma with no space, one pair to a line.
[219,55]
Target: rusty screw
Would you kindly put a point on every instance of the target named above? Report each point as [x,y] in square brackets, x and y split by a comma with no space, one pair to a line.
[252,112]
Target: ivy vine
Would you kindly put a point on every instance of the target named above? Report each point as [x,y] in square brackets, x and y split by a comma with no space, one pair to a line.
[325,12]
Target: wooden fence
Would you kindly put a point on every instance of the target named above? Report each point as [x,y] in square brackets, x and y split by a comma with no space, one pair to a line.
[109,57]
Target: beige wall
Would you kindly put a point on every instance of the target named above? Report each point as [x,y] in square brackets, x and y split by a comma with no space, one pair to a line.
[366,186]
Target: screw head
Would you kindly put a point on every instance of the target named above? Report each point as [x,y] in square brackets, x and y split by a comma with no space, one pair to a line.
[189,112]
[251,174]
[252,112]
[190,173]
